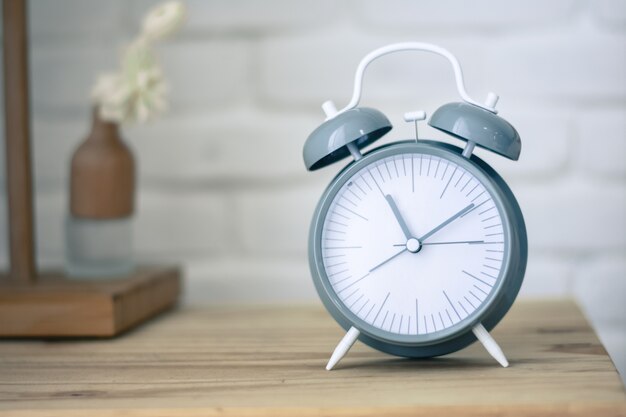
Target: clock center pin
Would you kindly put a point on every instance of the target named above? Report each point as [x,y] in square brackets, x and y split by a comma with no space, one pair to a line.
[413,245]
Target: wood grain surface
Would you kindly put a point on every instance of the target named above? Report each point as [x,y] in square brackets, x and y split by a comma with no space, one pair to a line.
[249,361]
[58,306]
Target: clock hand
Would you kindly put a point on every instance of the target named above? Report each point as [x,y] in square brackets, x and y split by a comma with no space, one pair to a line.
[447,222]
[396,213]
[388,259]
[470,242]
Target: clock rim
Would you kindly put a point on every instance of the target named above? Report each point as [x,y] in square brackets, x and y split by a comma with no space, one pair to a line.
[489,313]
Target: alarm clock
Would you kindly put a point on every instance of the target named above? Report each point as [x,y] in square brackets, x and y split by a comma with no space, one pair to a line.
[417,248]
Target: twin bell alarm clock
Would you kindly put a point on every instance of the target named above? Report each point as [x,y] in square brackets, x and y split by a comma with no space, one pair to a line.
[417,248]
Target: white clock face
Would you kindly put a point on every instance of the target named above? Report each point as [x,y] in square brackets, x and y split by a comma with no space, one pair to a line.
[413,244]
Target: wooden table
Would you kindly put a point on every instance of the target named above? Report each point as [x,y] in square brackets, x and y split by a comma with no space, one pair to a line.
[270,361]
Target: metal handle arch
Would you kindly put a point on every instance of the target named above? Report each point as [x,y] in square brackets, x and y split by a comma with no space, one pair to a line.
[422,47]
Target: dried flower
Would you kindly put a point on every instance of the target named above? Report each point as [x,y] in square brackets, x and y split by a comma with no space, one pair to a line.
[163,20]
[138,91]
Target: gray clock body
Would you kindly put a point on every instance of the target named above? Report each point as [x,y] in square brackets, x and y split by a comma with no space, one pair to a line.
[491,309]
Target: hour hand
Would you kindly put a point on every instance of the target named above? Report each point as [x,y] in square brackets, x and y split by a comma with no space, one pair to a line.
[398,216]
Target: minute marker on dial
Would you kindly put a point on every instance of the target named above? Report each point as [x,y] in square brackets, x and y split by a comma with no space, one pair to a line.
[466,184]
[381,307]
[452,305]
[448,183]
[476,198]
[445,171]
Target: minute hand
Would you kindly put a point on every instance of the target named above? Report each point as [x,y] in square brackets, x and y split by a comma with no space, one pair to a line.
[447,222]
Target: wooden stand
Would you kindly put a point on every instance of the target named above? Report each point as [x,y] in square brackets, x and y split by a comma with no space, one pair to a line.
[48,304]
[58,307]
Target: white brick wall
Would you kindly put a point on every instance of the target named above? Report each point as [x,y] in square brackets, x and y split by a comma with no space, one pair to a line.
[223,189]
[478,16]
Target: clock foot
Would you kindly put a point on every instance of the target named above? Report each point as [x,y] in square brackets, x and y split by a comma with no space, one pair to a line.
[490,344]
[343,347]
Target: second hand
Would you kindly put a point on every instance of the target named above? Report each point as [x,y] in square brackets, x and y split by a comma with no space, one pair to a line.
[469,242]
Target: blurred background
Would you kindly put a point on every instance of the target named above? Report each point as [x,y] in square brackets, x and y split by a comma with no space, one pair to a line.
[222,187]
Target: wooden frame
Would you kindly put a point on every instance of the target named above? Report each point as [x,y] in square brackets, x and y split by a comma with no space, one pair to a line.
[48,304]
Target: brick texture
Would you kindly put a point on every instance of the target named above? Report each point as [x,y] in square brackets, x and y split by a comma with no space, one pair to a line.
[602,143]
[452,15]
[252,17]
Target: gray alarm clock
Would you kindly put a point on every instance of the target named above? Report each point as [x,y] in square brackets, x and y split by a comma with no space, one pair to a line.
[417,248]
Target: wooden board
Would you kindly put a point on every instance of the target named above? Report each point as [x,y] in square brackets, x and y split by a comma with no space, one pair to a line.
[249,361]
[57,307]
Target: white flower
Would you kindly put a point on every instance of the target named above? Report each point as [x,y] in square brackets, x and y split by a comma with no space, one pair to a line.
[138,91]
[147,94]
[163,20]
[111,94]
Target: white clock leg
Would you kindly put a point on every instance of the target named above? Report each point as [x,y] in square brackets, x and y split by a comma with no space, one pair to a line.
[343,347]
[490,344]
